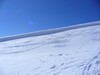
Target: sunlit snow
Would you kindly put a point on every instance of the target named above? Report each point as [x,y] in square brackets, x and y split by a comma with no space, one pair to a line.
[71,52]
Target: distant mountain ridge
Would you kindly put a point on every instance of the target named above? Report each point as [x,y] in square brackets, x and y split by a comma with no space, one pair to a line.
[48,31]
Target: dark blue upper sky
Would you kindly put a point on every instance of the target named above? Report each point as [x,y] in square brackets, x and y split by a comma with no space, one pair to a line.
[21,16]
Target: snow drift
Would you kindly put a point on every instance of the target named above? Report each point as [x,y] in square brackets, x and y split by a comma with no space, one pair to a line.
[71,50]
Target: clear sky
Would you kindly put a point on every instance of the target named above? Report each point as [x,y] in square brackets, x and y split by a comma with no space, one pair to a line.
[22,16]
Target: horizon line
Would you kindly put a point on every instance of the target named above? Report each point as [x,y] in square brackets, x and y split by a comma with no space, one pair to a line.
[48,31]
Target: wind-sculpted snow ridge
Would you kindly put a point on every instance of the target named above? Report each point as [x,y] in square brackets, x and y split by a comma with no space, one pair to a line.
[71,52]
[49,31]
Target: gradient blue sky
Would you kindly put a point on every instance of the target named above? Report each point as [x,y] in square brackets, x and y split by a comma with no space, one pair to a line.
[22,16]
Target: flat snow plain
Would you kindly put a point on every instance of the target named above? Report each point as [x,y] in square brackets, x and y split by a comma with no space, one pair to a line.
[72,52]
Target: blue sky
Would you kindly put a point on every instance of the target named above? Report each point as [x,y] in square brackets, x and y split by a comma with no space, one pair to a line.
[22,16]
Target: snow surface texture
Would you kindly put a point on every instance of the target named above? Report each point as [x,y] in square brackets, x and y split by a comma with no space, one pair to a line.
[71,52]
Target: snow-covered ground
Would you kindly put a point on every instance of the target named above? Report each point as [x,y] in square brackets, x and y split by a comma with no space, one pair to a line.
[71,52]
